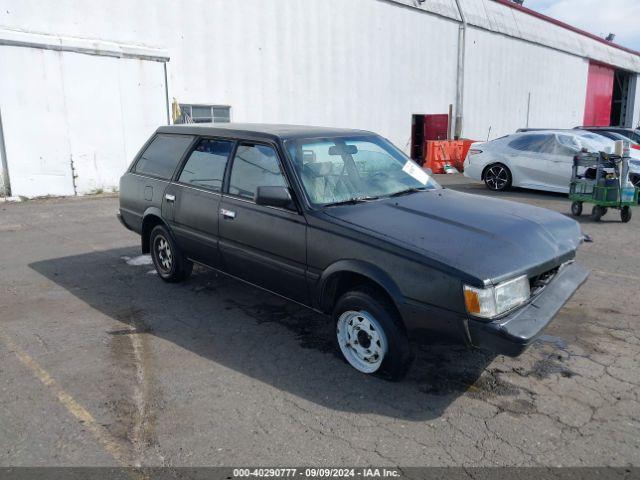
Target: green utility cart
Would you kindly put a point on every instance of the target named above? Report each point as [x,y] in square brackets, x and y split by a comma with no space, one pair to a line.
[602,179]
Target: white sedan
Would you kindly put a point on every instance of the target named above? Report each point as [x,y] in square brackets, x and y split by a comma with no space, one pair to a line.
[541,160]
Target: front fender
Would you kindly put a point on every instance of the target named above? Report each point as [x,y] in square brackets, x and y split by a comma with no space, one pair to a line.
[360,267]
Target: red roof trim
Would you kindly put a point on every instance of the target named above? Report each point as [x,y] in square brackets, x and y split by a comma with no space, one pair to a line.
[539,15]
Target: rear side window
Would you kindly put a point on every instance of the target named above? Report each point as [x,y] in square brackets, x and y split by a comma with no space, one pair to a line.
[254,166]
[162,155]
[206,164]
[530,143]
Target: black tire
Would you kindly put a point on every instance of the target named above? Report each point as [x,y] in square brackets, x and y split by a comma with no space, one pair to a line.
[625,214]
[597,212]
[167,258]
[374,303]
[576,209]
[497,177]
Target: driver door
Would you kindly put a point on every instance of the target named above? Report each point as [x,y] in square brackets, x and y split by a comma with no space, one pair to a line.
[263,245]
[561,161]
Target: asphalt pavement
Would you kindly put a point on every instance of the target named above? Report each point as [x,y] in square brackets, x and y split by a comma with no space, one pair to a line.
[102,363]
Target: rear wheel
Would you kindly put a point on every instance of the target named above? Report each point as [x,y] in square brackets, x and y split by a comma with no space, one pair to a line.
[625,214]
[597,212]
[497,177]
[369,334]
[167,258]
[576,209]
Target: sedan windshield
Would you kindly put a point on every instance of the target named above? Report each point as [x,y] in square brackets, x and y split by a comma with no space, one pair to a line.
[353,169]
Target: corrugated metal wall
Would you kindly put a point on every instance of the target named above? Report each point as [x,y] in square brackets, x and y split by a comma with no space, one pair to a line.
[367,64]
[513,84]
[67,114]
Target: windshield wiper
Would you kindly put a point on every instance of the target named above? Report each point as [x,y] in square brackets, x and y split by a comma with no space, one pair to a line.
[408,191]
[352,201]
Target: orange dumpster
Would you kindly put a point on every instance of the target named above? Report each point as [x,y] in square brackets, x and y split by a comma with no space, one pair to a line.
[441,152]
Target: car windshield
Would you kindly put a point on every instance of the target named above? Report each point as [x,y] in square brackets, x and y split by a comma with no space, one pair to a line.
[354,168]
[619,136]
[595,142]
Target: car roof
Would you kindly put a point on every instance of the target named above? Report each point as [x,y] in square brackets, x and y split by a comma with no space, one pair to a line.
[545,131]
[579,132]
[259,130]
[527,130]
[606,128]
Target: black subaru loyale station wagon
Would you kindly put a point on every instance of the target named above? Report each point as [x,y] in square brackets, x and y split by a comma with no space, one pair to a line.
[343,222]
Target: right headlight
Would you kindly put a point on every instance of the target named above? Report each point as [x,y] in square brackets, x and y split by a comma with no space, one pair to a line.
[493,301]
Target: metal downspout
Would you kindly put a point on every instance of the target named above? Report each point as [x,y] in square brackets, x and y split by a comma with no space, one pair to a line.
[5,165]
[462,31]
[166,93]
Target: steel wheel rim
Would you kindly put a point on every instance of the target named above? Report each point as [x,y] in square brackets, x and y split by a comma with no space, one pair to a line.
[164,256]
[362,340]
[496,177]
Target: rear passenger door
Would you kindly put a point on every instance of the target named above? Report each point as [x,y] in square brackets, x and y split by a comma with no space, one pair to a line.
[263,245]
[195,199]
[530,159]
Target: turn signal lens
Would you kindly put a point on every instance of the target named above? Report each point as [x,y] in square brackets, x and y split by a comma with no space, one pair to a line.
[471,300]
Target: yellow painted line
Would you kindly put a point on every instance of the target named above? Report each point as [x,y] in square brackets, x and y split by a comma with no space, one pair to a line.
[73,407]
[619,275]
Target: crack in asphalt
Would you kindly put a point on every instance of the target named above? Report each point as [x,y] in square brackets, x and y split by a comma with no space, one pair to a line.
[570,400]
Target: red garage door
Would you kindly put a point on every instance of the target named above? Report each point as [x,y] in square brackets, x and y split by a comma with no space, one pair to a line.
[597,111]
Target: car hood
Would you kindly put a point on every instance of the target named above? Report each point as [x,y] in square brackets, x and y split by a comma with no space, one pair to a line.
[487,239]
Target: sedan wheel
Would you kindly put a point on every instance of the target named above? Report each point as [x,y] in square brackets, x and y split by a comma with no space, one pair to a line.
[362,340]
[170,263]
[163,251]
[497,177]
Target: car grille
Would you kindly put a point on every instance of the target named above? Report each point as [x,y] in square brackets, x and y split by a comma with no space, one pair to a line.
[539,282]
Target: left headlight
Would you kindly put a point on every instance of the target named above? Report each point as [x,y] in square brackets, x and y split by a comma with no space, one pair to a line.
[493,301]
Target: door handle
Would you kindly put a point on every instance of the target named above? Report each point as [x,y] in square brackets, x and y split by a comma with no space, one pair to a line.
[170,198]
[227,213]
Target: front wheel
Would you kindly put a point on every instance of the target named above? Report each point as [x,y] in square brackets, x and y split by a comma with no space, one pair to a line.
[498,177]
[167,258]
[576,209]
[625,214]
[370,335]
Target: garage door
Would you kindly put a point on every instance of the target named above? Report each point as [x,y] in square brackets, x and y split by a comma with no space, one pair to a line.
[597,110]
[72,122]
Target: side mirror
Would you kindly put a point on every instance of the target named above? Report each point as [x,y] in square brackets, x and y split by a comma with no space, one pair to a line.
[274,197]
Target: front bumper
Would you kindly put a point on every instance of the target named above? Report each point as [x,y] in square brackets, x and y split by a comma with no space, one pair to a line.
[512,334]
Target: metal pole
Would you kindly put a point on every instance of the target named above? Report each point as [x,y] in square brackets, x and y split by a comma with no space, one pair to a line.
[166,93]
[5,165]
[462,30]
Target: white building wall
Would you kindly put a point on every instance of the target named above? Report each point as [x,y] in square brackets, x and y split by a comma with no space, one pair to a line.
[64,107]
[500,74]
[367,64]
[500,19]
[360,64]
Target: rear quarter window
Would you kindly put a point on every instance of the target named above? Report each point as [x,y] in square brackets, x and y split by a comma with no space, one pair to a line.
[161,157]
